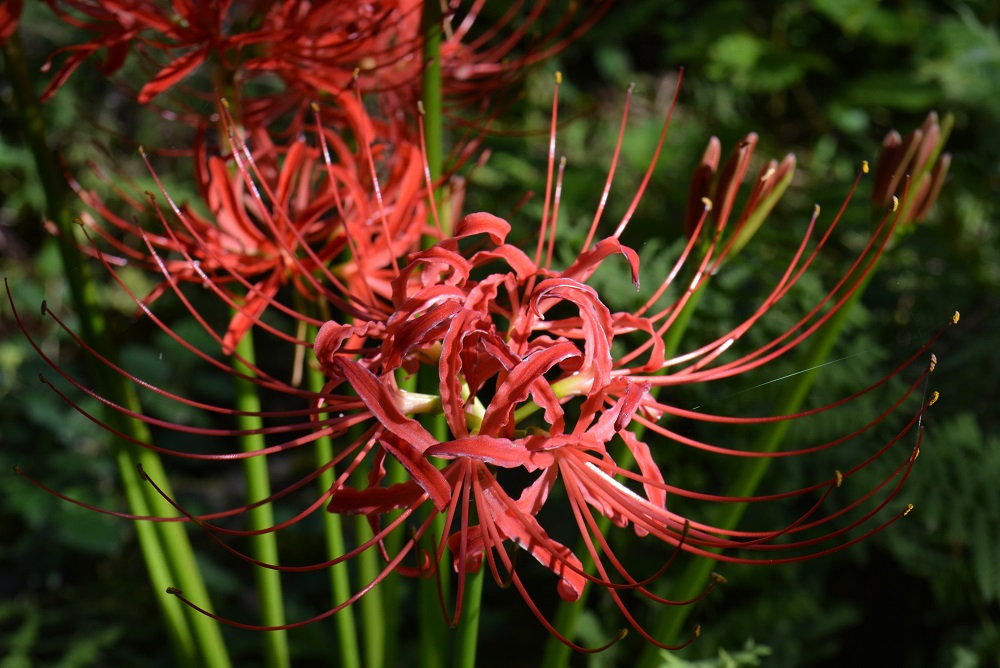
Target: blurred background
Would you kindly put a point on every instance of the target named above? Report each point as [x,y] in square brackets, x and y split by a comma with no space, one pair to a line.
[825,79]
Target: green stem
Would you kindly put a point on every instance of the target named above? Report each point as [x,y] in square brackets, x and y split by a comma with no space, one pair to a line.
[263,546]
[347,631]
[433,622]
[468,626]
[433,628]
[377,624]
[432,100]
[196,639]
[184,571]
[431,97]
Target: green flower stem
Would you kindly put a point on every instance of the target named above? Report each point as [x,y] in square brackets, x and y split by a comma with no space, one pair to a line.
[347,631]
[374,619]
[433,628]
[264,546]
[433,624]
[176,547]
[693,579]
[468,625]
[432,101]
[158,568]
[195,638]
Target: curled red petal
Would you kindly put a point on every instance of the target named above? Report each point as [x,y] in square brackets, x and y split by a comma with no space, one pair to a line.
[588,261]
[172,73]
[332,336]
[529,534]
[407,440]
[526,377]
[482,223]
[375,500]
[423,472]
[379,400]
[500,452]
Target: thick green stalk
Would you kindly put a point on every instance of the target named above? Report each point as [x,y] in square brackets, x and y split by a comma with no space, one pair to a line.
[379,608]
[433,628]
[340,583]
[433,623]
[693,579]
[167,552]
[158,568]
[431,98]
[468,625]
[264,546]
[379,629]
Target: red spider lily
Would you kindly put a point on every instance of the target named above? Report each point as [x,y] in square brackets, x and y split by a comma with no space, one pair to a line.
[539,406]
[283,215]
[501,363]
[313,47]
[511,375]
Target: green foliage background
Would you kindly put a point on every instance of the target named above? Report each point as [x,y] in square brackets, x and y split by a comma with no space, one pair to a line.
[823,78]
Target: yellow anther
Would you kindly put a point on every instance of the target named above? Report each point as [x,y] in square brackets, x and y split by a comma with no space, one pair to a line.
[142,152]
[420,108]
[840,477]
[934,398]
[864,166]
[909,507]
[707,202]
[768,174]
[697,630]
[816,210]
[954,318]
[357,73]
[719,578]
[79,221]
[895,203]
[916,453]
[933,362]
[224,102]
[313,106]
[558,78]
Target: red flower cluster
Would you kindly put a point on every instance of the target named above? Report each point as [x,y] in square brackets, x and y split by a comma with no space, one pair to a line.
[528,381]
[312,48]
[539,406]
[284,216]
